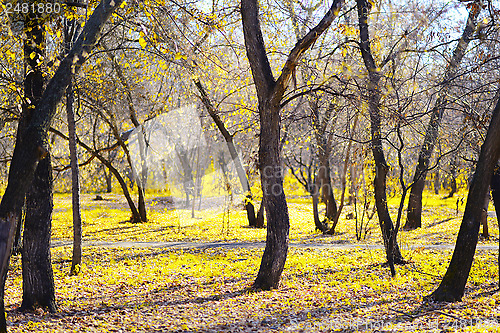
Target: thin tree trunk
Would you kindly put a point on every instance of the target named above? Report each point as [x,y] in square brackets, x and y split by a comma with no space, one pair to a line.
[453,178]
[414,211]
[112,170]
[495,193]
[323,143]
[260,220]
[76,261]
[452,286]
[141,179]
[381,166]
[240,171]
[437,182]
[109,184]
[344,180]
[484,217]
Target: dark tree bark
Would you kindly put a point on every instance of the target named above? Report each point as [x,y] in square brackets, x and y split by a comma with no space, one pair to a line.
[484,217]
[269,94]
[381,166]
[453,284]
[453,177]
[109,184]
[34,146]
[242,176]
[38,277]
[437,182]
[414,211]
[38,281]
[76,260]
[495,194]
[260,220]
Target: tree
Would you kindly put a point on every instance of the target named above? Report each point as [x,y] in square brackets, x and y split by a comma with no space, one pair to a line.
[451,288]
[495,194]
[414,210]
[381,166]
[253,221]
[38,279]
[70,33]
[34,146]
[269,94]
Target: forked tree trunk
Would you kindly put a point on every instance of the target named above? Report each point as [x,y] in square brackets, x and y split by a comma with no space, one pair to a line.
[453,284]
[381,166]
[414,211]
[34,146]
[38,280]
[269,94]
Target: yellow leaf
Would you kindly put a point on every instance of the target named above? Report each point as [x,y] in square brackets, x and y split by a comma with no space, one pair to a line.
[32,55]
[142,42]
[179,56]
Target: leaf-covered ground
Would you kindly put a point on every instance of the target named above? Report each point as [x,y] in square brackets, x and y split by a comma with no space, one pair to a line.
[322,290]
[145,290]
[107,220]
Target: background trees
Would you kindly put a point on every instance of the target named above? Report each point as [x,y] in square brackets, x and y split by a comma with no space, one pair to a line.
[371,81]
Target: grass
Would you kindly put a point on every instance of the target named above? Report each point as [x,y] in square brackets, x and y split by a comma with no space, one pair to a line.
[175,290]
[107,220]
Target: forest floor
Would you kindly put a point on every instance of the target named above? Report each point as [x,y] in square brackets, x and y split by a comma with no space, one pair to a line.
[198,279]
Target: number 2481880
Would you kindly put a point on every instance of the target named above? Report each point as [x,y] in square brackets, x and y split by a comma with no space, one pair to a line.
[36,8]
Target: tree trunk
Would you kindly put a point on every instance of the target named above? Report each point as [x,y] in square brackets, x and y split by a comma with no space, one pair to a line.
[381,167]
[453,178]
[76,261]
[249,207]
[38,278]
[141,177]
[269,95]
[495,193]
[453,284]
[109,184]
[34,146]
[343,180]
[437,182]
[259,222]
[414,212]
[484,217]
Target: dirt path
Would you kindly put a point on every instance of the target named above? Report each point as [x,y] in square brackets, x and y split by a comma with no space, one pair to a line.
[250,245]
